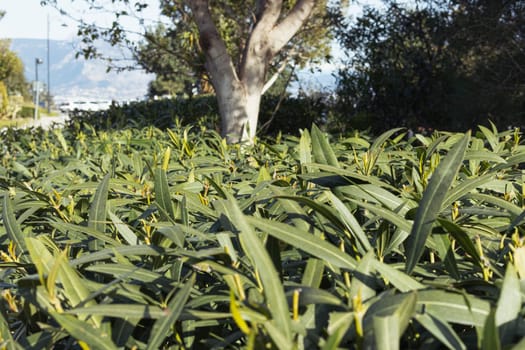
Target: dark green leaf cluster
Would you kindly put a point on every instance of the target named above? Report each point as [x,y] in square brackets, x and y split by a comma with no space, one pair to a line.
[173,239]
[276,116]
[436,63]
[12,71]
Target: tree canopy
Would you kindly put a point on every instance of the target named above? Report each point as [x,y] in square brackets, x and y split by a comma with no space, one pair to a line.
[11,69]
[447,63]
[239,47]
[173,51]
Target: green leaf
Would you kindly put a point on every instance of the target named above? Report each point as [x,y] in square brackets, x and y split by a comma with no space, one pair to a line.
[398,279]
[386,214]
[490,333]
[381,139]
[40,257]
[129,236]
[6,338]
[120,311]
[509,306]
[461,237]
[313,273]
[254,248]
[314,296]
[376,194]
[66,227]
[305,241]
[143,311]
[491,137]
[322,150]
[75,289]
[446,254]
[318,207]
[305,152]
[447,306]
[386,332]
[263,176]
[352,224]
[339,323]
[388,327]
[80,330]
[98,208]
[432,201]
[12,227]
[138,250]
[161,328]
[441,330]
[363,282]
[163,196]
[123,271]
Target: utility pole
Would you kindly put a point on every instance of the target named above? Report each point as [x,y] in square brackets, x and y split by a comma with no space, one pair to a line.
[48,71]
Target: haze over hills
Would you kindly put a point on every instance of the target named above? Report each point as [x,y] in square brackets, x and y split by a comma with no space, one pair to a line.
[72,78]
[80,79]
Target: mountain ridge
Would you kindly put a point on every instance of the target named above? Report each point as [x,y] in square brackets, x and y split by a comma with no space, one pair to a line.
[72,78]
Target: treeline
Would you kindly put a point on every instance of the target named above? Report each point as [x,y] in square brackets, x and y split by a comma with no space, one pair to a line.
[448,64]
[285,116]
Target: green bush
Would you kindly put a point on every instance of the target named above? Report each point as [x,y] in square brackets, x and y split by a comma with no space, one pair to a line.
[27,112]
[4,101]
[293,114]
[172,239]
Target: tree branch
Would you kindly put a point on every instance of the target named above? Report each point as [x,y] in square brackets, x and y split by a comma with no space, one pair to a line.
[218,60]
[275,76]
[289,26]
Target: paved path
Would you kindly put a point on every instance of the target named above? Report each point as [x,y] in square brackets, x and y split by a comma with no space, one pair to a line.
[48,122]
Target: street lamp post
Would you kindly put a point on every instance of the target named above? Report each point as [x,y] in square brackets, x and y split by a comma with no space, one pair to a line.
[37,85]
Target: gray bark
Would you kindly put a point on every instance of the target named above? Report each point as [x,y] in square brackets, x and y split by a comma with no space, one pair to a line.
[239,93]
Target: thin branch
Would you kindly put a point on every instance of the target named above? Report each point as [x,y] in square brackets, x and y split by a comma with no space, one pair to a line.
[275,76]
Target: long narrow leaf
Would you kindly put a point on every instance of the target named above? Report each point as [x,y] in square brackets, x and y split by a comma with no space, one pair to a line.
[322,149]
[441,330]
[162,326]
[12,227]
[432,201]
[509,305]
[351,223]
[98,208]
[254,248]
[162,195]
[80,330]
[6,338]
[306,242]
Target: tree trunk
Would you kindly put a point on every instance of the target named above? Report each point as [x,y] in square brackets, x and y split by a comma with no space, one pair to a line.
[239,93]
[239,111]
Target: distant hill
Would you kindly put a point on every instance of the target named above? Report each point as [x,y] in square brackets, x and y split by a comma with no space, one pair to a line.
[73,78]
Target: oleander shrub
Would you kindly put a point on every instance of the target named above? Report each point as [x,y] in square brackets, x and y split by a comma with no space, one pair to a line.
[285,116]
[154,238]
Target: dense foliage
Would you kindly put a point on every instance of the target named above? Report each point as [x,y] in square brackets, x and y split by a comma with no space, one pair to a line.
[12,70]
[149,238]
[277,116]
[13,85]
[444,62]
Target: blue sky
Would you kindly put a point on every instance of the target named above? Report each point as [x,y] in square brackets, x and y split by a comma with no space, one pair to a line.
[28,19]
